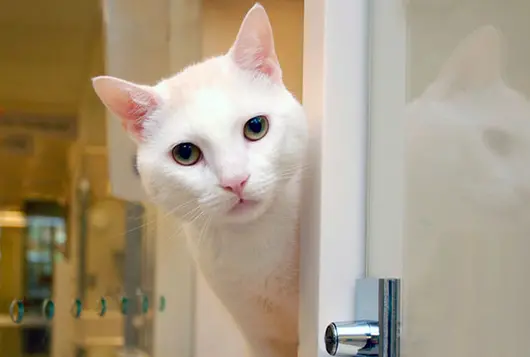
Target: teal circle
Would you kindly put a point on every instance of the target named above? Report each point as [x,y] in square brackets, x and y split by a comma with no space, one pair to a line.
[48,309]
[124,305]
[77,308]
[162,303]
[102,303]
[18,315]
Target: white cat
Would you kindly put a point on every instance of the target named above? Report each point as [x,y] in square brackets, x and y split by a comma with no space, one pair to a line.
[222,145]
[467,233]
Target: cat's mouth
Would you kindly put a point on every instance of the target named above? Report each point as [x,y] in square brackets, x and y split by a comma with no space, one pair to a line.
[243,205]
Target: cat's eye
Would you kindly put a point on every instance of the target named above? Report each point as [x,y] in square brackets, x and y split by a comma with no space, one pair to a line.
[186,154]
[256,128]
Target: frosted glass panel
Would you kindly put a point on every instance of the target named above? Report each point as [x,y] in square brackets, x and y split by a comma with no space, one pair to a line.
[466,201]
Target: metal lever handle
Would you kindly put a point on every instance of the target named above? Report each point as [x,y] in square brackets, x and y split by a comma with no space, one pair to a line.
[377,302]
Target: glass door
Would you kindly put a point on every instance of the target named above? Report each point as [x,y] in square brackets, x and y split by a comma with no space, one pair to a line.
[449,155]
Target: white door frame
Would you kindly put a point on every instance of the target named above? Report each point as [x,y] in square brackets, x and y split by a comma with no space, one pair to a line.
[388,96]
[334,215]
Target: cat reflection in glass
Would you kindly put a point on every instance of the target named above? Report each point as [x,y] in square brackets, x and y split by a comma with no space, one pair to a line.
[221,145]
[467,206]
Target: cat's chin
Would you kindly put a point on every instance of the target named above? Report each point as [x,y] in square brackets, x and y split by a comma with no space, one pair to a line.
[244,211]
[243,206]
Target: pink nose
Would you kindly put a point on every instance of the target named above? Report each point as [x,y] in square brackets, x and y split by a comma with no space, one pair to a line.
[234,184]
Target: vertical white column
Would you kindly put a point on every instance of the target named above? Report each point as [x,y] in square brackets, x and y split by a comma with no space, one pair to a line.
[333,217]
[146,41]
[136,49]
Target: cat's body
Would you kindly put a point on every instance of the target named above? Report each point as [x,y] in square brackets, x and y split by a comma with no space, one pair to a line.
[260,291]
[256,275]
[467,232]
[222,147]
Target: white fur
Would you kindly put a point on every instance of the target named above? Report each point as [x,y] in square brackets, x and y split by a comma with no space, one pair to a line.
[468,202]
[249,259]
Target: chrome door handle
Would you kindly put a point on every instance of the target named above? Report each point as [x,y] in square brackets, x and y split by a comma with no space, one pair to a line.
[352,338]
[376,332]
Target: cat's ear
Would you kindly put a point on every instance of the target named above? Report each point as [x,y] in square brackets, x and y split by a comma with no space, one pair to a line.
[474,64]
[131,103]
[253,49]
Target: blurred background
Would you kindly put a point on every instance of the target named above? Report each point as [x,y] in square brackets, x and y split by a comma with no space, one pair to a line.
[74,227]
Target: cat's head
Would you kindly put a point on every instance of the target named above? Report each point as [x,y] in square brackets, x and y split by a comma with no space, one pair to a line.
[471,83]
[468,134]
[220,139]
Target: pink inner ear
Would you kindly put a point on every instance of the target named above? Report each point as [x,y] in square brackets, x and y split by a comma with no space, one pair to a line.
[135,114]
[253,49]
[264,67]
[263,61]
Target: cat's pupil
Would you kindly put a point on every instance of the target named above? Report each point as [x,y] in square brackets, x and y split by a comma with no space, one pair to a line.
[255,125]
[185,151]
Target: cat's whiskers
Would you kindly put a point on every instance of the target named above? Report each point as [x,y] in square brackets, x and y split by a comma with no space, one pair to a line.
[265,184]
[208,199]
[195,214]
[172,210]
[178,232]
[204,231]
[163,218]
[182,206]
[219,205]
[293,170]
[190,215]
[215,202]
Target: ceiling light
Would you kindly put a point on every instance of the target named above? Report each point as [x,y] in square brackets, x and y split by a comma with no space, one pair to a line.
[12,219]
